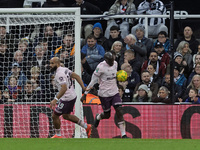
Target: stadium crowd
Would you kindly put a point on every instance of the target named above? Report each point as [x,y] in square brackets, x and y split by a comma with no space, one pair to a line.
[24,65]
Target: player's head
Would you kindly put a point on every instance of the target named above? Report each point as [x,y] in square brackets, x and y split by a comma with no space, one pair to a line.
[109,58]
[54,63]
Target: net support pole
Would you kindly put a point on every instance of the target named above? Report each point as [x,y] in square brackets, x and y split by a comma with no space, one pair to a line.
[77,70]
[172,51]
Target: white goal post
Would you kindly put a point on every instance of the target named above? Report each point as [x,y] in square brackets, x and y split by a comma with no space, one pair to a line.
[27,17]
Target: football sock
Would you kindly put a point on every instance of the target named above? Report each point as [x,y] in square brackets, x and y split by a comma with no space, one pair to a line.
[122,127]
[58,133]
[82,124]
[99,117]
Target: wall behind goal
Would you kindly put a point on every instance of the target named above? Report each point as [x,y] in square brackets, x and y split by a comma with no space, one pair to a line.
[142,121]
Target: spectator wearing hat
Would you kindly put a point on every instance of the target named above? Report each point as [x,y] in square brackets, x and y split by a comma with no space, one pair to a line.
[18,74]
[162,38]
[163,56]
[114,36]
[143,94]
[97,31]
[139,34]
[179,77]
[121,7]
[163,96]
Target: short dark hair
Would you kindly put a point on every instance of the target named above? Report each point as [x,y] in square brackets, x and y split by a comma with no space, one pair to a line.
[162,33]
[91,36]
[114,28]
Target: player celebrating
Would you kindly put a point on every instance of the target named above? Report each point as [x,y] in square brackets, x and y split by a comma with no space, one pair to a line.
[66,97]
[105,74]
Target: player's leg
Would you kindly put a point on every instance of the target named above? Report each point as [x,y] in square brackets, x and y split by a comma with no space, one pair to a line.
[106,105]
[78,121]
[56,123]
[67,108]
[117,104]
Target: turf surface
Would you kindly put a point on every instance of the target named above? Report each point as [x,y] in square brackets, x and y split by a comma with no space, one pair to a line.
[98,144]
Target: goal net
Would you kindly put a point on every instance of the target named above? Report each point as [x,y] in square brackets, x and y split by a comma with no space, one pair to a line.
[29,38]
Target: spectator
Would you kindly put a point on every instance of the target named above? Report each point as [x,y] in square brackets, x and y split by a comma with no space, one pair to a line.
[162,55]
[53,3]
[9,38]
[179,77]
[39,60]
[31,95]
[18,74]
[163,96]
[121,7]
[178,91]
[195,57]
[14,90]
[153,76]
[87,9]
[97,31]
[195,71]
[4,62]
[44,44]
[155,25]
[23,47]
[130,84]
[193,96]
[129,57]
[6,98]
[114,36]
[185,51]
[139,34]
[158,65]
[162,38]
[52,39]
[21,60]
[152,87]
[195,83]
[94,52]
[142,94]
[188,37]
[121,91]
[137,47]
[117,48]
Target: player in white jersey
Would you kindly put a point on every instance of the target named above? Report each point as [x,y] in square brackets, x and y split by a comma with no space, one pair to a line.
[66,97]
[105,74]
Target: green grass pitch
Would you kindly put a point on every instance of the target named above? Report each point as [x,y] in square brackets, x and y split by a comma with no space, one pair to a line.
[98,144]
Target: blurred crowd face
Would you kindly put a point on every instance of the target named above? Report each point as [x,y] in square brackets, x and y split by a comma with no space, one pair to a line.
[91,42]
[162,38]
[151,69]
[97,31]
[197,68]
[187,32]
[29,88]
[162,94]
[117,47]
[176,73]
[178,59]
[13,82]
[145,77]
[18,56]
[153,57]
[49,31]
[139,34]
[68,40]
[196,81]
[141,92]
[39,52]
[114,34]
[167,79]
[22,47]
[3,48]
[2,32]
[123,2]
[128,56]
[192,93]
[44,46]
[185,48]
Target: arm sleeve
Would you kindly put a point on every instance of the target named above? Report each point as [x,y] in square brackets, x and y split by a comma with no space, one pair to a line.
[93,81]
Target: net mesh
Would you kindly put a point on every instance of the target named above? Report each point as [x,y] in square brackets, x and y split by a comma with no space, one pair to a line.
[27,42]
